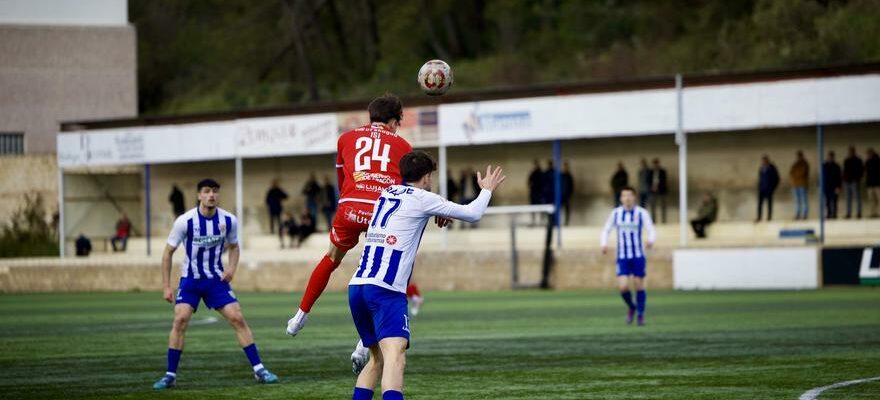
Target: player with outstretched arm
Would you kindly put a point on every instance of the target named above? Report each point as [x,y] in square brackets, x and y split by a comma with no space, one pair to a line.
[630,220]
[377,292]
[205,232]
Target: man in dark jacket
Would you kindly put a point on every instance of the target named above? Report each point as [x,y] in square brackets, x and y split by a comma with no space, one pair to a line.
[853,171]
[644,183]
[659,189]
[706,214]
[535,183]
[619,180]
[331,197]
[274,197]
[768,181]
[872,181]
[567,182]
[177,201]
[831,187]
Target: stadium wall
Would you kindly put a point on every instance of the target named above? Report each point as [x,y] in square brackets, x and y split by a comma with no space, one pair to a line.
[453,270]
[26,175]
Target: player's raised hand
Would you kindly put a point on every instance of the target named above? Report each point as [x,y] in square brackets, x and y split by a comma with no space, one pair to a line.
[492,179]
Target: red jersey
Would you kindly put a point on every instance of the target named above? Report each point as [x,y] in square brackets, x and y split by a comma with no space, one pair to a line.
[368,161]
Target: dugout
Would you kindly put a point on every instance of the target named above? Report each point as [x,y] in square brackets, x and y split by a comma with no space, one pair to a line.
[725,123]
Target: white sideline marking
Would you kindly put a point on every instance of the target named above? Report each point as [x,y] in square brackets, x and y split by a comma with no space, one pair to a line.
[194,322]
[812,394]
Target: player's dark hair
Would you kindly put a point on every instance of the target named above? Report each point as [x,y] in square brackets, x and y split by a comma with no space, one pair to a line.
[416,164]
[207,183]
[385,108]
[630,188]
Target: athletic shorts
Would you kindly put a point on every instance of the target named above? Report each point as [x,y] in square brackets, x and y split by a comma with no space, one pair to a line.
[215,293]
[378,313]
[632,266]
[352,219]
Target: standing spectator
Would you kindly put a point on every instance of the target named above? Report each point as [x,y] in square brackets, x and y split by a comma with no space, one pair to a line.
[83,245]
[800,179]
[274,197]
[872,181]
[659,189]
[451,186]
[706,214]
[548,184]
[853,171]
[468,186]
[567,182]
[644,184]
[768,181]
[619,180]
[535,186]
[177,201]
[330,199]
[123,230]
[831,187]
[312,190]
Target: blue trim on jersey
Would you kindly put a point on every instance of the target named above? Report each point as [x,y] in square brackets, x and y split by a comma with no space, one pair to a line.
[363,266]
[213,250]
[223,242]
[200,254]
[377,261]
[189,243]
[393,264]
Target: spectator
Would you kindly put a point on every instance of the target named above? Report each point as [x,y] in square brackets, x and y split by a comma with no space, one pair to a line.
[567,182]
[289,226]
[831,177]
[800,179]
[451,186]
[619,180]
[306,227]
[548,184]
[706,214]
[274,197]
[468,185]
[330,198]
[312,190]
[83,246]
[123,230]
[658,191]
[853,171]
[872,181]
[768,181]
[536,187]
[177,201]
[644,184]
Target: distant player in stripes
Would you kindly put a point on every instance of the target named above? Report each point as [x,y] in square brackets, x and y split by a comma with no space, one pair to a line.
[377,291]
[205,231]
[630,220]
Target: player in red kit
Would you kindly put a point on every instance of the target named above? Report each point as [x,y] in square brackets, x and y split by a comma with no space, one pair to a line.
[366,163]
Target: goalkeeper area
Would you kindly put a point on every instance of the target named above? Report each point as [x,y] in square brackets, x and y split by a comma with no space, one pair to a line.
[503,345]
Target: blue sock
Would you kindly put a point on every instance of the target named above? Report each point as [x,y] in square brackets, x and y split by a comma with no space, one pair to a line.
[362,394]
[173,360]
[392,395]
[628,299]
[641,301]
[252,354]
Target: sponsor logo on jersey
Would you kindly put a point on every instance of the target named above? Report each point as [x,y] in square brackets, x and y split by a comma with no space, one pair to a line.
[357,216]
[363,187]
[373,237]
[391,239]
[373,176]
[207,241]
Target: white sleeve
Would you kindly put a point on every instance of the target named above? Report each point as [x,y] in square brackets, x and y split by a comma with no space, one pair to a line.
[609,224]
[178,232]
[649,225]
[434,204]
[232,230]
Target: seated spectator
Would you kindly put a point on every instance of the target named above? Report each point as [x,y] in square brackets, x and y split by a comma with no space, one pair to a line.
[288,225]
[83,246]
[123,230]
[706,215]
[307,226]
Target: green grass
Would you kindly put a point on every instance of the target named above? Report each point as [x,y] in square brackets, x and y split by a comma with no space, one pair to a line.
[508,345]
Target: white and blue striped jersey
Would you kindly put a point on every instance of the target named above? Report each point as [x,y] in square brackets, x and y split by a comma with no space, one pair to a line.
[203,238]
[399,219]
[629,224]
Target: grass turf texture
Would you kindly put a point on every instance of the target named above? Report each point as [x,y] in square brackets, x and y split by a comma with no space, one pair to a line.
[517,345]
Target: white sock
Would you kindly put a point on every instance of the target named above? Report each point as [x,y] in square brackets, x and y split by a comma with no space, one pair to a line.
[258,367]
[300,313]
[171,373]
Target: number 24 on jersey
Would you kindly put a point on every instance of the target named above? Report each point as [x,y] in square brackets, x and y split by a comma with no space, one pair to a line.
[365,157]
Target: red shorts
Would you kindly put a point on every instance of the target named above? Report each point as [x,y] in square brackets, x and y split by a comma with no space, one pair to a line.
[352,219]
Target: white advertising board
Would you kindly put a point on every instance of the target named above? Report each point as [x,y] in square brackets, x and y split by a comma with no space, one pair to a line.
[746,268]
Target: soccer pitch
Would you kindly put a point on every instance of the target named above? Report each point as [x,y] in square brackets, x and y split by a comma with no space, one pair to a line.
[505,345]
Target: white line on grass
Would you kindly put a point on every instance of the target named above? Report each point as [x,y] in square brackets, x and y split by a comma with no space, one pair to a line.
[145,325]
[812,394]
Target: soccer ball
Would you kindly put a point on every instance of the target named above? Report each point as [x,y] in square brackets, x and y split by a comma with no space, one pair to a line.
[435,77]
